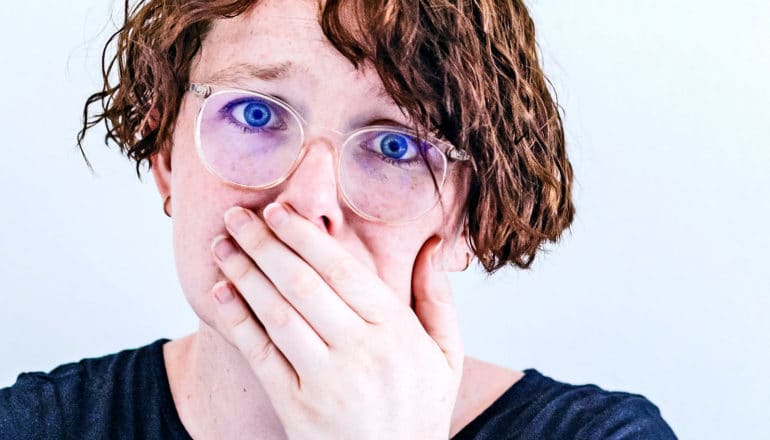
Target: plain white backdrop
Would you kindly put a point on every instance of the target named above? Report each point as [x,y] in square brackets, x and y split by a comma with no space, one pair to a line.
[662,286]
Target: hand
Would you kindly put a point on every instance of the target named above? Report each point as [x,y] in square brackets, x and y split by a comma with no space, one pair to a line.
[337,353]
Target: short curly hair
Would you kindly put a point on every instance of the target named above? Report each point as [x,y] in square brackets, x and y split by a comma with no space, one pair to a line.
[468,71]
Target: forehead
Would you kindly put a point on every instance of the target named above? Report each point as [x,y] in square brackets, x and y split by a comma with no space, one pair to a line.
[278,47]
[269,25]
[277,33]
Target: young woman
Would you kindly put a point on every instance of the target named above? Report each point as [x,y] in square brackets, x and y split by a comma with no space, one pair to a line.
[325,164]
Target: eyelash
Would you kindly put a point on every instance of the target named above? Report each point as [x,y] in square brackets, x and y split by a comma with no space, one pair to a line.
[406,163]
[403,163]
[226,114]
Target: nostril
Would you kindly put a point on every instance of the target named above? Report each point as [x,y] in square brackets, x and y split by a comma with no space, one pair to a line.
[327,223]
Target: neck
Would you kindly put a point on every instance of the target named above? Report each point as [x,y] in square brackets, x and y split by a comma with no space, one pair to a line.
[217,395]
[215,391]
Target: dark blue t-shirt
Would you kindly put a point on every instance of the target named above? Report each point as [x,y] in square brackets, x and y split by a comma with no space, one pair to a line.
[126,395]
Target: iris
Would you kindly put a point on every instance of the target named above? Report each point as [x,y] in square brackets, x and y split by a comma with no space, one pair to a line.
[394,145]
[256,114]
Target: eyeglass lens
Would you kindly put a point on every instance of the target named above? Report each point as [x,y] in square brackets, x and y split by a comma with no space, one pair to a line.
[253,140]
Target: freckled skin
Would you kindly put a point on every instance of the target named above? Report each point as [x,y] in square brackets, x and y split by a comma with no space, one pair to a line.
[333,93]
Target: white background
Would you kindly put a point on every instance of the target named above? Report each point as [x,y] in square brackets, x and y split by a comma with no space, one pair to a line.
[661,287]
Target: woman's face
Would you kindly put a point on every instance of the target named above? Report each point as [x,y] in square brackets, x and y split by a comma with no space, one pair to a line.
[326,89]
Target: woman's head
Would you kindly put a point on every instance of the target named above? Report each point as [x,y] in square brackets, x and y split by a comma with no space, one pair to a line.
[465,71]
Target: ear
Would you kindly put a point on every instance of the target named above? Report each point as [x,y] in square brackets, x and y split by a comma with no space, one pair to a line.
[160,161]
[161,171]
[456,253]
[150,122]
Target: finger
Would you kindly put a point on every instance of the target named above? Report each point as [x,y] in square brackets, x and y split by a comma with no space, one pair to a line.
[299,283]
[238,325]
[356,284]
[434,305]
[298,342]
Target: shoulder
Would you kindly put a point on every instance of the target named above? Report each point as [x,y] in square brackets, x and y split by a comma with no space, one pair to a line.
[589,412]
[81,395]
[537,406]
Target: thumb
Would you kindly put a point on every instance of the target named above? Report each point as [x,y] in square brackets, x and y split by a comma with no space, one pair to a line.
[433,302]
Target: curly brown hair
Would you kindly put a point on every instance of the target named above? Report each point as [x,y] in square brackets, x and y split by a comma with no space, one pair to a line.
[468,71]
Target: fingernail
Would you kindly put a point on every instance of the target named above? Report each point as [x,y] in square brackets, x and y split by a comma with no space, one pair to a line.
[222,247]
[275,214]
[223,292]
[236,217]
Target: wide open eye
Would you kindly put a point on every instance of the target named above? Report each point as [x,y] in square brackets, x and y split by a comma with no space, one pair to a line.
[253,114]
[395,147]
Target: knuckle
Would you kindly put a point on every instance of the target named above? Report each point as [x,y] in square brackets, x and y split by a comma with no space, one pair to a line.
[278,317]
[303,286]
[255,236]
[260,353]
[311,409]
[239,320]
[343,271]
[375,315]
[387,347]
[355,339]
[242,271]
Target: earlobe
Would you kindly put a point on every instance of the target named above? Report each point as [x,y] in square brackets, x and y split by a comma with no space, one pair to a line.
[160,162]
[457,254]
[160,166]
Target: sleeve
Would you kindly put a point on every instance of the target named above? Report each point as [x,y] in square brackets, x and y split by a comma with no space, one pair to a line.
[28,410]
[632,418]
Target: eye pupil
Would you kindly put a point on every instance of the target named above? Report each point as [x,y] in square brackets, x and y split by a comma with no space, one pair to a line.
[394,145]
[256,114]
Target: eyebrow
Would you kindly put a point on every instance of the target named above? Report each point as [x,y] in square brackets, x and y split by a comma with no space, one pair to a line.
[244,71]
[237,73]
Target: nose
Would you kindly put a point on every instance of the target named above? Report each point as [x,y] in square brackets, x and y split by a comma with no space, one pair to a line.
[311,189]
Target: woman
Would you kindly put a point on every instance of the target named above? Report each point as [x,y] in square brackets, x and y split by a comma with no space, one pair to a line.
[324,167]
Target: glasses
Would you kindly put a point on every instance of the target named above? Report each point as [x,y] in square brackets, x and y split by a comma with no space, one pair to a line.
[384,173]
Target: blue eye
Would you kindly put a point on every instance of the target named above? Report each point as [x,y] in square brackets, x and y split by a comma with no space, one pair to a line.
[395,146]
[253,113]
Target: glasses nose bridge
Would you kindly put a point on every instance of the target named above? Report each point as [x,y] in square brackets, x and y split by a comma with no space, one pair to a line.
[323,134]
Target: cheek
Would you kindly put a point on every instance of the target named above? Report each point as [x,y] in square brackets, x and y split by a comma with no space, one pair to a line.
[396,271]
[394,250]
[394,253]
[200,200]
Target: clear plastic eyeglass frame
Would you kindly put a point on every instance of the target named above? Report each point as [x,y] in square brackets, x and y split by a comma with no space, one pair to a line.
[448,152]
